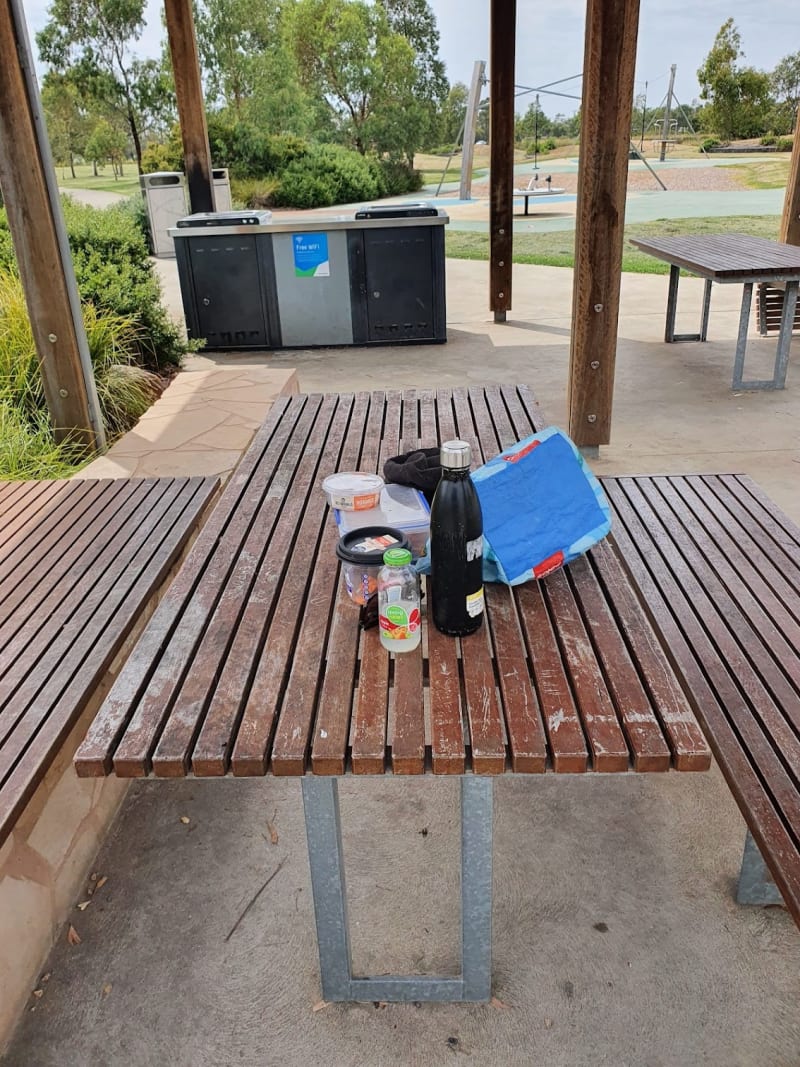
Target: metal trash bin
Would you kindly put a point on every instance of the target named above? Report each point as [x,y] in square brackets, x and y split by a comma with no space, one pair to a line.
[251,281]
[222,189]
[165,196]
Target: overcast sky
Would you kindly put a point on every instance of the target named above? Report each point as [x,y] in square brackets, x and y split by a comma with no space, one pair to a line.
[550,40]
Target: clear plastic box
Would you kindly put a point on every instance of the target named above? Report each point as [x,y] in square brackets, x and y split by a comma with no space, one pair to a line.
[402,507]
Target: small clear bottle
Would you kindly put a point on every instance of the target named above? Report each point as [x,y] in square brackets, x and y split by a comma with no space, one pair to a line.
[398,602]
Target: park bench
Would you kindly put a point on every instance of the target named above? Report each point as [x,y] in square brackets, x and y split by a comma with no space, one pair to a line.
[769,309]
[718,566]
[80,560]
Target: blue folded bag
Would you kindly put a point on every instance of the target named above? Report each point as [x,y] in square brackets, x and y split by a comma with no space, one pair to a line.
[542,507]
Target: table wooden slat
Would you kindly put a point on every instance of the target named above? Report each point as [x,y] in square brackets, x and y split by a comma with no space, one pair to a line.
[526,737]
[372,706]
[633,708]
[232,635]
[565,736]
[255,661]
[597,714]
[448,751]
[312,575]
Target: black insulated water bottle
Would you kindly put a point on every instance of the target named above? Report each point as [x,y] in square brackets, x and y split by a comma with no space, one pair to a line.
[456,546]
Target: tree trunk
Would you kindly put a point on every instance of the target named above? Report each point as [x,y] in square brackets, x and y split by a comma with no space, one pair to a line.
[137,144]
[94,167]
[72,164]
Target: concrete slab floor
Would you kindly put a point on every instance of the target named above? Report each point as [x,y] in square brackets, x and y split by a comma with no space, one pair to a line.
[674,410]
[617,940]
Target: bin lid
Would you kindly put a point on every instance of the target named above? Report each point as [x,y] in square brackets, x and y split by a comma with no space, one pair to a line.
[161,177]
[203,219]
[419,209]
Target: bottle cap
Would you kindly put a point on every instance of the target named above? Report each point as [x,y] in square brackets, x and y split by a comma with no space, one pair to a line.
[455,455]
[396,557]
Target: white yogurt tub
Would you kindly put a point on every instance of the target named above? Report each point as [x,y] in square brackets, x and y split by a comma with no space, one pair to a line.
[353,491]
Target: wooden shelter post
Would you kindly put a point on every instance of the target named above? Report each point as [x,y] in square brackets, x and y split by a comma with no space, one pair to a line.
[790,221]
[27,179]
[608,70]
[501,141]
[191,109]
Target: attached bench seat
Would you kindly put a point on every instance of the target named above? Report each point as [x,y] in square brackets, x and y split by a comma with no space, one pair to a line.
[769,309]
[79,562]
[719,568]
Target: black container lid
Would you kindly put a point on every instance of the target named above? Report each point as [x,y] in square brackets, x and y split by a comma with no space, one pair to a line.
[349,551]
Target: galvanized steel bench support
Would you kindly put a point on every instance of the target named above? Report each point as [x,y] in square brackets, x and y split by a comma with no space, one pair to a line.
[326,859]
[755,884]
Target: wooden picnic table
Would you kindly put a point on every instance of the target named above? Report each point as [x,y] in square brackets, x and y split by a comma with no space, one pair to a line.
[731,259]
[254,662]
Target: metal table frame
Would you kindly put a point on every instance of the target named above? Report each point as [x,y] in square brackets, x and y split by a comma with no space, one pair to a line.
[778,380]
[328,883]
[715,260]
[326,859]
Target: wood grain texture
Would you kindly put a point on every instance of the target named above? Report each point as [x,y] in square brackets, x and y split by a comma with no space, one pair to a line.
[502,38]
[726,257]
[706,600]
[790,218]
[609,60]
[255,662]
[191,106]
[68,632]
[38,255]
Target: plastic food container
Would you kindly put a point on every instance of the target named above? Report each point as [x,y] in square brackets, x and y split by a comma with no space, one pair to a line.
[361,552]
[400,507]
[353,491]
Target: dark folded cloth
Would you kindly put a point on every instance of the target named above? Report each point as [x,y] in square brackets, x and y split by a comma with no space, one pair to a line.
[420,469]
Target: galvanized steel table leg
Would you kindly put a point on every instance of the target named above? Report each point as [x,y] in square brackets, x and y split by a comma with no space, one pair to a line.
[476,887]
[672,304]
[672,307]
[755,884]
[785,335]
[706,310]
[323,832]
[325,856]
[741,341]
[778,379]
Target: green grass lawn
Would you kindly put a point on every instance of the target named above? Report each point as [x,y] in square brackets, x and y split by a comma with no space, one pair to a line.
[84,179]
[763,173]
[556,248]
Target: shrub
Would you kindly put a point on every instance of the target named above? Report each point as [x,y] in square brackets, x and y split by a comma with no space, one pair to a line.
[115,273]
[709,144]
[125,390]
[254,192]
[784,144]
[399,178]
[768,140]
[329,175]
